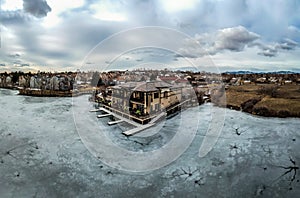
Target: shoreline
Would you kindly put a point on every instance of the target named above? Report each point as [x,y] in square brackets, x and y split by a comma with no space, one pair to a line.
[264,115]
[45,93]
[11,88]
[49,93]
[246,98]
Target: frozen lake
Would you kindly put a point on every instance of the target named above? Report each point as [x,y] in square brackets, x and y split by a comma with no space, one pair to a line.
[43,155]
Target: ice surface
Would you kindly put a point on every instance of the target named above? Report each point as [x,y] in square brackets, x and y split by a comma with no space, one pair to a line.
[42,155]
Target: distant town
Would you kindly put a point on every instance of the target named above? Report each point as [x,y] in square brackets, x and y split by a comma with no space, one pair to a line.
[247,91]
[64,81]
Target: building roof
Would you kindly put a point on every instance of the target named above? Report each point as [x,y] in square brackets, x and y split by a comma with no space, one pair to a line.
[147,86]
[168,78]
[161,84]
[144,86]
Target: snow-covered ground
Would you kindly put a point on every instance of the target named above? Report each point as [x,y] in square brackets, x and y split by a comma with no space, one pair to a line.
[42,154]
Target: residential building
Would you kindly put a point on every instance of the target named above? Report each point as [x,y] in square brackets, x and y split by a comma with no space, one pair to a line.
[143,99]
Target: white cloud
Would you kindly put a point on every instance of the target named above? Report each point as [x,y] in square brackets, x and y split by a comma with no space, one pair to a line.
[110,16]
[172,6]
[11,5]
[233,43]
[108,11]
[293,29]
[57,8]
[233,39]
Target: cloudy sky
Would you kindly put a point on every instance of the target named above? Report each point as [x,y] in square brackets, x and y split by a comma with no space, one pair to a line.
[231,35]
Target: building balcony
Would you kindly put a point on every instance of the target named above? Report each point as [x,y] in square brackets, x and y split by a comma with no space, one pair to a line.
[137,101]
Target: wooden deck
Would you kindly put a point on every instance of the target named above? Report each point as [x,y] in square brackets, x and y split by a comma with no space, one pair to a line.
[137,129]
[120,117]
[104,115]
[125,117]
[158,117]
[95,110]
[115,122]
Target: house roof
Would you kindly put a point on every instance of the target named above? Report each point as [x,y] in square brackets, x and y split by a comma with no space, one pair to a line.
[180,80]
[161,84]
[144,86]
[148,86]
[168,78]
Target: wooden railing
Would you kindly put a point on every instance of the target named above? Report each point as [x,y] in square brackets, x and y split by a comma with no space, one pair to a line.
[128,116]
[145,118]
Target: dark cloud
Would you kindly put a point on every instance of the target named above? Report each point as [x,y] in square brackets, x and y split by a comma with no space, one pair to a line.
[11,18]
[17,62]
[287,44]
[37,8]
[267,53]
[273,50]
[16,55]
[152,52]
[178,56]
[266,50]
[2,64]
[234,39]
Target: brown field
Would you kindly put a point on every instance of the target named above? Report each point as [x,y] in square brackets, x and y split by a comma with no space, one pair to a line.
[265,99]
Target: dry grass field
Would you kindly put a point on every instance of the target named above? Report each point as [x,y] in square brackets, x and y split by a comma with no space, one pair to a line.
[265,99]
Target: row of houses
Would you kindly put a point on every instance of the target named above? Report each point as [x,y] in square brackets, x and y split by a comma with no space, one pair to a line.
[46,81]
[6,81]
[280,79]
[172,77]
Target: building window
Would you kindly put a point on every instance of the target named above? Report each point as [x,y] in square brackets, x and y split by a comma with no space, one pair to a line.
[165,94]
[155,95]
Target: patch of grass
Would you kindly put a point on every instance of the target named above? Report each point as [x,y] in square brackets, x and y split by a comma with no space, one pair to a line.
[289,91]
[235,96]
[273,100]
[280,106]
